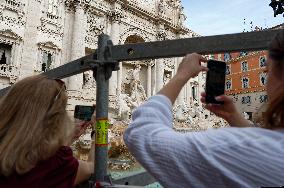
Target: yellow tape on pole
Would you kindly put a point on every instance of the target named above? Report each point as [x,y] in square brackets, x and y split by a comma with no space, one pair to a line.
[102,132]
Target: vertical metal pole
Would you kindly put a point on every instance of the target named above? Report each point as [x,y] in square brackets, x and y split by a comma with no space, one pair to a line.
[102,101]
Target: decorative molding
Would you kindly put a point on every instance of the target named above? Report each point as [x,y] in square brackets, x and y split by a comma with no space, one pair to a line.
[48,45]
[53,27]
[115,15]
[14,6]
[9,37]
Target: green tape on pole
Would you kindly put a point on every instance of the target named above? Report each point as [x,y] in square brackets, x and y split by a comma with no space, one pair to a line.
[101,132]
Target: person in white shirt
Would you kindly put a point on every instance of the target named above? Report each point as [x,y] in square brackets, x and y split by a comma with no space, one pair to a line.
[236,156]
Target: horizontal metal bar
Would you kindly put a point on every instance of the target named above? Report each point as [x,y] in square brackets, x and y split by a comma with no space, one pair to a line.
[74,67]
[138,179]
[250,41]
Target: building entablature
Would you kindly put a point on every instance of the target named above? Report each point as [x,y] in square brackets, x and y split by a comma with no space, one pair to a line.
[116,14]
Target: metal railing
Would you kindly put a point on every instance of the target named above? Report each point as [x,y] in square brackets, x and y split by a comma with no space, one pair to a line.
[106,59]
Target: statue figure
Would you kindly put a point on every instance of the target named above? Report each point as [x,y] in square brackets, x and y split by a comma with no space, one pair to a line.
[138,94]
[167,78]
[246,116]
[181,112]
[89,81]
[182,17]
[161,7]
[124,110]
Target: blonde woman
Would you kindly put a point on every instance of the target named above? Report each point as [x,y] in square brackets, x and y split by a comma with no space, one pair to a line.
[35,132]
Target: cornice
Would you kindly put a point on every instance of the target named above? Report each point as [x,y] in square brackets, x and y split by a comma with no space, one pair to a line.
[157,19]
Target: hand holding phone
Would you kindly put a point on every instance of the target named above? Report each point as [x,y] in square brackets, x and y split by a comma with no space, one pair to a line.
[84,113]
[83,116]
[215,81]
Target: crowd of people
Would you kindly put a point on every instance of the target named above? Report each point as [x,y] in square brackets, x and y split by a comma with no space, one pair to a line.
[36,133]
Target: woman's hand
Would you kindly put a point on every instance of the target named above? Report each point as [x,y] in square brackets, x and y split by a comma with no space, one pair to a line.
[188,68]
[80,127]
[227,111]
[191,66]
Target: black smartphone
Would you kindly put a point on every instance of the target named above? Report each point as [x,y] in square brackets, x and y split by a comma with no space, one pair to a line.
[84,112]
[215,81]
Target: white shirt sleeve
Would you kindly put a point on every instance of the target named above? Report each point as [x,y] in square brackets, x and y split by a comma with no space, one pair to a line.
[225,157]
[172,158]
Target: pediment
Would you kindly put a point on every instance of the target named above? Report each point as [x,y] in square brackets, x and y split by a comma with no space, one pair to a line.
[10,34]
[48,44]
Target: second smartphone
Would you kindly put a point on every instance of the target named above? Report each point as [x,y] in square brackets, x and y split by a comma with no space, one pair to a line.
[215,81]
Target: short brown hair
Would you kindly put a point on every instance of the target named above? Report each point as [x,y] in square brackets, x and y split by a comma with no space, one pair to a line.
[33,125]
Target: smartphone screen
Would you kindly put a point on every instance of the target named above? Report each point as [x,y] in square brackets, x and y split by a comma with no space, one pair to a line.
[215,80]
[84,112]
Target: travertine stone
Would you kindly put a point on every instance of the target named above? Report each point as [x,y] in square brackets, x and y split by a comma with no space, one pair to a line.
[52,33]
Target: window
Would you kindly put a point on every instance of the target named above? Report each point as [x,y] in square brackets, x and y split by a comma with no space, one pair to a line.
[246,100]
[227,57]
[228,84]
[194,93]
[263,78]
[53,7]
[262,61]
[228,69]
[263,98]
[245,82]
[47,59]
[244,66]
[5,54]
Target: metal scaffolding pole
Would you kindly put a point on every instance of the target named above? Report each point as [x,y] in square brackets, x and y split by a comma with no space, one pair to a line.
[102,75]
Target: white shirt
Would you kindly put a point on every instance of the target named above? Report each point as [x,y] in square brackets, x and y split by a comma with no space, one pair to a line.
[224,157]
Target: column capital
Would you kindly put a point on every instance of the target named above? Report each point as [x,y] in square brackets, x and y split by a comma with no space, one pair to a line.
[115,15]
[76,4]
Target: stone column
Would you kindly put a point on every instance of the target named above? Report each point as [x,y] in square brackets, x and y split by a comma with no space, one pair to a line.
[161,35]
[115,18]
[119,79]
[30,47]
[154,82]
[159,74]
[149,80]
[180,99]
[114,84]
[78,45]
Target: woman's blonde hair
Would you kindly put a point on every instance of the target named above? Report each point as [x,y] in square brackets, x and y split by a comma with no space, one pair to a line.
[33,123]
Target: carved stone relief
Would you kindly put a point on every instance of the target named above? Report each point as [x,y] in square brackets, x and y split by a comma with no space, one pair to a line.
[95,27]
[12,12]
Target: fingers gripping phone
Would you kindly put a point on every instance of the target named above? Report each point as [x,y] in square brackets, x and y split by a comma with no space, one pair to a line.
[215,81]
[84,112]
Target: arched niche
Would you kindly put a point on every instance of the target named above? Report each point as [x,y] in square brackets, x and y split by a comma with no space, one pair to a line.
[133,39]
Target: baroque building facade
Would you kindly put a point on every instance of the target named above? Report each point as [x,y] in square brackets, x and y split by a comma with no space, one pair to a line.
[36,36]
[39,35]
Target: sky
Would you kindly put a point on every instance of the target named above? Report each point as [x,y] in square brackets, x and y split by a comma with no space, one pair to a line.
[214,17]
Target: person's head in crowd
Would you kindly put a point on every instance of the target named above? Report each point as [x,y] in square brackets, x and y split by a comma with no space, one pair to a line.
[274,116]
[33,123]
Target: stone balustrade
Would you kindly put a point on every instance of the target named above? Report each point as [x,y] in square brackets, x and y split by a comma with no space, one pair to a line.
[9,71]
[13,3]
